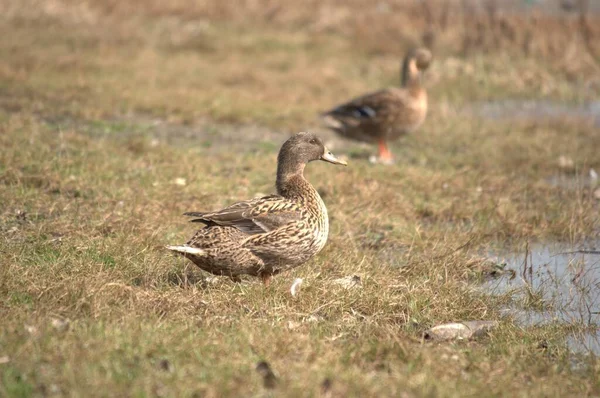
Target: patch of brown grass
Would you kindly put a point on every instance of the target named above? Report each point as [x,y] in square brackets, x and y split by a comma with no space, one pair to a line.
[87,214]
[102,110]
[388,27]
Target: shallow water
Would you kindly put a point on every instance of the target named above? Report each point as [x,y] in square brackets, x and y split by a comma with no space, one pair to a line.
[574,182]
[563,283]
[536,110]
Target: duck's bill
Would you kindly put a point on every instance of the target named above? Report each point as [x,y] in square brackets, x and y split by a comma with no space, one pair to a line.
[330,157]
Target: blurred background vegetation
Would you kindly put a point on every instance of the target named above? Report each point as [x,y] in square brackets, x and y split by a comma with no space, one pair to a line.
[116,116]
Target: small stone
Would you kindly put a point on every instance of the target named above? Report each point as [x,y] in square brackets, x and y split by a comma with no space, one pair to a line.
[32,330]
[60,325]
[313,318]
[326,386]
[488,266]
[349,282]
[293,325]
[211,280]
[180,181]
[21,215]
[597,193]
[269,379]
[165,365]
[378,160]
[295,288]
[565,162]
[4,359]
[460,330]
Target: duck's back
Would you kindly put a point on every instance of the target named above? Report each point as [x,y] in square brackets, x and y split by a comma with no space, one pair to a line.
[385,114]
[295,242]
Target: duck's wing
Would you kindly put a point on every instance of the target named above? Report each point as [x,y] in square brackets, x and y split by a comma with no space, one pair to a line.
[370,108]
[254,216]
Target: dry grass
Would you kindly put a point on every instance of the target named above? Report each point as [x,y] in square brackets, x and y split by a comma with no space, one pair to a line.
[87,182]
[95,60]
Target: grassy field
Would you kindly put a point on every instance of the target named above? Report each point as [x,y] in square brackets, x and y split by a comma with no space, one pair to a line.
[117,117]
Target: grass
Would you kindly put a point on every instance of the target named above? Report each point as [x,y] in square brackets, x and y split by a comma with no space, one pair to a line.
[101,114]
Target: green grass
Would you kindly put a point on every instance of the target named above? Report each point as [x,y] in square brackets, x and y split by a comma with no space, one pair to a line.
[97,123]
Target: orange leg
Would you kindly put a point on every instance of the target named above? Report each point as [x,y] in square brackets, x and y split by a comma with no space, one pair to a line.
[266,278]
[384,153]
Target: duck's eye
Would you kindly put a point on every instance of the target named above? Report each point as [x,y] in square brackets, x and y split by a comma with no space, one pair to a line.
[313,141]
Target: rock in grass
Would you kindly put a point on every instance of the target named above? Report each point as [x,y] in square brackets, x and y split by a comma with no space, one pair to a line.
[349,282]
[165,364]
[460,330]
[60,325]
[566,163]
[326,387]
[269,379]
[295,288]
[32,330]
[489,266]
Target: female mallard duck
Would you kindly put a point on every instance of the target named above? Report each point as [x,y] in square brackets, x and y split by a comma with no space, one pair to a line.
[264,236]
[385,115]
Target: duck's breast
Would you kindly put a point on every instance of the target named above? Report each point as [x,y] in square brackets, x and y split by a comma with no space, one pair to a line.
[321,224]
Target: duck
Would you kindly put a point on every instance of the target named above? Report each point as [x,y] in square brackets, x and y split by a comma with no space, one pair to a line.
[385,115]
[265,236]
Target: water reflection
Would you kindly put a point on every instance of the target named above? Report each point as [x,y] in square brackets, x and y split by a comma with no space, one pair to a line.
[555,283]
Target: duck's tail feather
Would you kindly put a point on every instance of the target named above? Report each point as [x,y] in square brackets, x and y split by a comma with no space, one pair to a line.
[200,218]
[187,250]
[194,214]
[331,121]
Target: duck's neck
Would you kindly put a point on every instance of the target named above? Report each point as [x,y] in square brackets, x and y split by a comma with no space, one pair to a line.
[290,179]
[411,77]
[295,187]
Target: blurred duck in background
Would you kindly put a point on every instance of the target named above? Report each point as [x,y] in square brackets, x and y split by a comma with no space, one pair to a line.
[388,114]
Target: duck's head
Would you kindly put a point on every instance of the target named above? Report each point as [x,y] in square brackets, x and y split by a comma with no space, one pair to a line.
[301,149]
[416,61]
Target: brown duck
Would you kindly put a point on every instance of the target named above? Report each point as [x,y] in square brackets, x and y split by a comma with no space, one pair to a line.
[265,236]
[387,114]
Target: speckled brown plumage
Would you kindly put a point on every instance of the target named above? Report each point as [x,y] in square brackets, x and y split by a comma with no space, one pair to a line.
[265,236]
[387,114]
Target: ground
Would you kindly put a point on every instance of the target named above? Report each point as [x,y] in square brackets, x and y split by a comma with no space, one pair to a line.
[117,117]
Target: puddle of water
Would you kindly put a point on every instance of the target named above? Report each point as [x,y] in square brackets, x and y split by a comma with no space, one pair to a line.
[536,110]
[545,7]
[561,285]
[588,342]
[574,182]
[213,136]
